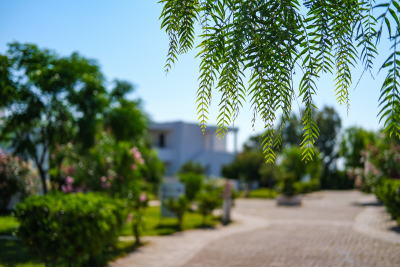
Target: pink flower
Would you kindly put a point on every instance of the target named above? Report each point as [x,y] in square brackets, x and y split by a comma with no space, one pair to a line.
[129,218]
[143,197]
[64,189]
[103,179]
[108,184]
[69,180]
[141,161]
[137,155]
[70,170]
[70,188]
[133,166]
[358,182]
[110,177]
[134,149]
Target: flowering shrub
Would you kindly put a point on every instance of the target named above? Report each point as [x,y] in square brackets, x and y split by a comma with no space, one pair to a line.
[115,168]
[112,167]
[74,227]
[16,175]
[379,162]
[386,161]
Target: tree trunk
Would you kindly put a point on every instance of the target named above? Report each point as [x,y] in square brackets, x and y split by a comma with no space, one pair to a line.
[180,222]
[42,174]
[55,261]
[136,233]
[247,190]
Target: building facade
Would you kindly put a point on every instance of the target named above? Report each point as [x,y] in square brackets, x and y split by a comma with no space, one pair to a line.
[179,142]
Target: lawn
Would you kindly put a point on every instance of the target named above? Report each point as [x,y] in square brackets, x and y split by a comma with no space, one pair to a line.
[7,225]
[154,225]
[263,193]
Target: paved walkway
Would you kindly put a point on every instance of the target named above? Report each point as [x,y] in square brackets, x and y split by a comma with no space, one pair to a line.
[338,229]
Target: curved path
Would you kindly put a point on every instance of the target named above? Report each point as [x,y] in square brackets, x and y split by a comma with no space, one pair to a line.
[338,229]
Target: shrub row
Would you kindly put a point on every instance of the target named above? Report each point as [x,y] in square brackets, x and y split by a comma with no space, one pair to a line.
[75,227]
[389,193]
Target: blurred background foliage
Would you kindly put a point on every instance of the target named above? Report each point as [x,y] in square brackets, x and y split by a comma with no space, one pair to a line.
[64,121]
[340,160]
[84,135]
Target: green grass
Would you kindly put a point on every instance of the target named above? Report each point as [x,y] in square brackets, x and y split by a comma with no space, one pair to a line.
[263,193]
[7,225]
[155,226]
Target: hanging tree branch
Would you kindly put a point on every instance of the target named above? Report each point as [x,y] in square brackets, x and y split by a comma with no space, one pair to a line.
[271,38]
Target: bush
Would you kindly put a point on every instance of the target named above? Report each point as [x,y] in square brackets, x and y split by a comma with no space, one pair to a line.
[209,198]
[287,184]
[74,227]
[177,206]
[295,170]
[192,167]
[263,193]
[307,187]
[389,193]
[193,183]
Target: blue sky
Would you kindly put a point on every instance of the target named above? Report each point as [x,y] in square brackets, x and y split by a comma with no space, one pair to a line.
[125,37]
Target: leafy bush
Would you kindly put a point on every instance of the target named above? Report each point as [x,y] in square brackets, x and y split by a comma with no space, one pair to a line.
[16,175]
[389,193]
[193,183]
[209,198]
[295,169]
[287,184]
[307,187]
[74,227]
[192,167]
[263,193]
[177,206]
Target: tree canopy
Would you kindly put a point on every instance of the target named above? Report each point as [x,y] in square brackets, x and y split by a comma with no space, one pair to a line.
[273,39]
[56,108]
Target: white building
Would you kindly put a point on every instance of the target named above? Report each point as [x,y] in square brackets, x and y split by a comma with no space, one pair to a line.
[179,142]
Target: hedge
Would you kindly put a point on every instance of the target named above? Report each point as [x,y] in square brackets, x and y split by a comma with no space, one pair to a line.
[74,227]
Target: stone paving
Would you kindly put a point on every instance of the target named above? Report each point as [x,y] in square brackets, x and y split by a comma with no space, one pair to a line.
[338,229]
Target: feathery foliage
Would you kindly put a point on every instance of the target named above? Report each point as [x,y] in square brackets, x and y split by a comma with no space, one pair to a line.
[274,38]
